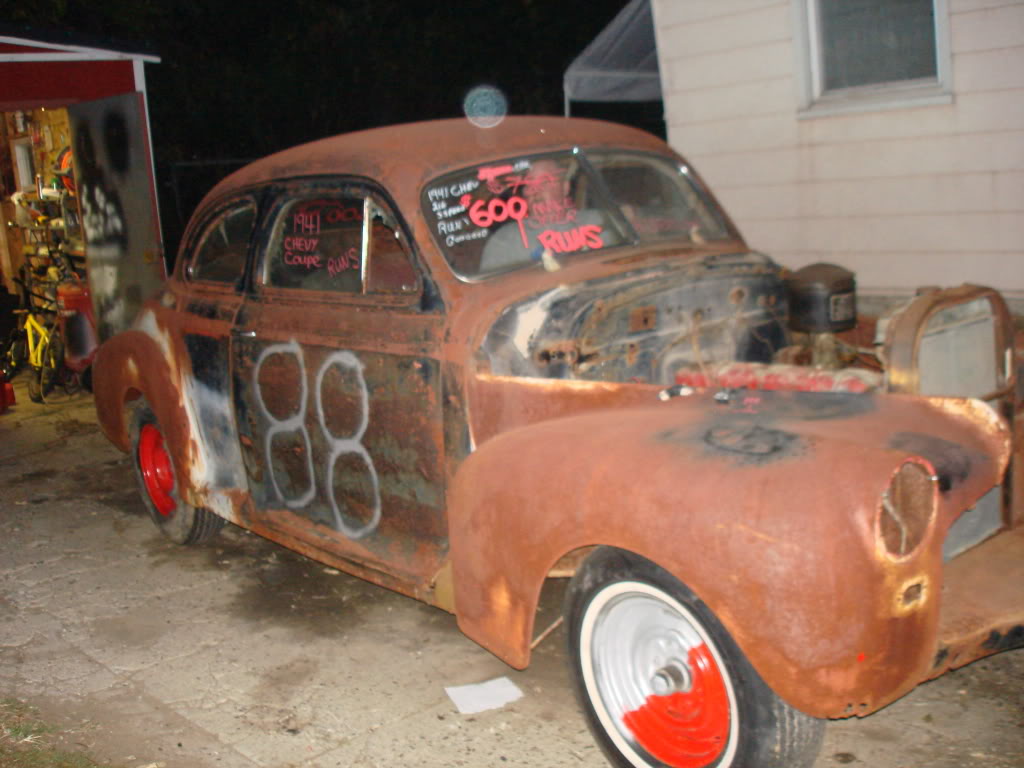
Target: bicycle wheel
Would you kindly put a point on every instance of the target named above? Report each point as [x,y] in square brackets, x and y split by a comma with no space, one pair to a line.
[34,393]
[52,364]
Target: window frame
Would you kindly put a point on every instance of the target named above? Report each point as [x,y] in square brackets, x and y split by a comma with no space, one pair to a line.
[282,208]
[195,239]
[583,155]
[285,191]
[816,101]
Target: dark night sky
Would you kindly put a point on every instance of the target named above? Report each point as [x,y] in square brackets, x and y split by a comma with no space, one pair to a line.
[238,80]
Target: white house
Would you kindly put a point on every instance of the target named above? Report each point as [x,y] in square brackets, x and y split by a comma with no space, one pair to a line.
[883,135]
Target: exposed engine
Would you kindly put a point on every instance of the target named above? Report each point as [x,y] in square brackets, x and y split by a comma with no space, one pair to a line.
[741,322]
[822,303]
[735,320]
[648,324]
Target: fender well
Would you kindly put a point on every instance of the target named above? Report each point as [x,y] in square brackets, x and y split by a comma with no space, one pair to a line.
[747,532]
[128,366]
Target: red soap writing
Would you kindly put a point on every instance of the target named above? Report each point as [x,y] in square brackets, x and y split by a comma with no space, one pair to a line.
[306,222]
[307,260]
[490,176]
[338,264]
[307,244]
[546,212]
[342,214]
[587,236]
[484,213]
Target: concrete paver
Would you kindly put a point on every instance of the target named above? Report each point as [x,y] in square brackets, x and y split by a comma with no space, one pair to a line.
[241,654]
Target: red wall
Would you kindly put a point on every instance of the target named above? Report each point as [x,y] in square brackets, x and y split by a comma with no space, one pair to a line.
[27,84]
[10,48]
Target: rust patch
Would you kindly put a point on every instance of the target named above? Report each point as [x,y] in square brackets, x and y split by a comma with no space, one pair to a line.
[643,319]
[911,596]
[754,443]
[1005,641]
[951,461]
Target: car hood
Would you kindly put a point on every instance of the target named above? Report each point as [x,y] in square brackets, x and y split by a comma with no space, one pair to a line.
[644,324]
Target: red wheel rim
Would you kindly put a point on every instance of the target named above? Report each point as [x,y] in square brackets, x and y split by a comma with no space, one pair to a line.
[686,729]
[157,470]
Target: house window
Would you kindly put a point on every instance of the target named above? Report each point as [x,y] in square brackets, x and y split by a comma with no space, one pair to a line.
[870,54]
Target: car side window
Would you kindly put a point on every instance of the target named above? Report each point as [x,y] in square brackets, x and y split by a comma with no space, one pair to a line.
[223,246]
[389,260]
[317,245]
[344,243]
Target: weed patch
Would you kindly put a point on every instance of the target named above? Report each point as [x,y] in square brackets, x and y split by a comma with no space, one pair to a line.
[28,742]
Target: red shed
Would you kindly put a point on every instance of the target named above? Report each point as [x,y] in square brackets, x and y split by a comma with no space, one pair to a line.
[77,154]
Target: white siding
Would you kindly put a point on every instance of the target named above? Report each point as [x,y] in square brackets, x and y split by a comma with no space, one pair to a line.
[926,195]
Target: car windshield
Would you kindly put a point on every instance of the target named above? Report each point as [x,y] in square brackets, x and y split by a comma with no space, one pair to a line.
[502,216]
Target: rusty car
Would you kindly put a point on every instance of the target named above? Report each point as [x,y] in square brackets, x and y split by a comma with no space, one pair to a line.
[458,361]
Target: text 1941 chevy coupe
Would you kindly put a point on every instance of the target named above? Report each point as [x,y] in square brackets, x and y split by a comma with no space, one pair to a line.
[457,361]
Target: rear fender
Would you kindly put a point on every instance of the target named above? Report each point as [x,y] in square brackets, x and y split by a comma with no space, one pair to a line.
[140,363]
[127,366]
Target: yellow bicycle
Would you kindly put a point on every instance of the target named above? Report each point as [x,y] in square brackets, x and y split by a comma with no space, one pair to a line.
[42,347]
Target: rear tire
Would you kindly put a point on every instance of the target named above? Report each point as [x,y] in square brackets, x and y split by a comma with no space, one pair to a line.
[662,683]
[155,472]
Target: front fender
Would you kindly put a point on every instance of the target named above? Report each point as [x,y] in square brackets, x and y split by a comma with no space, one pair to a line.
[766,507]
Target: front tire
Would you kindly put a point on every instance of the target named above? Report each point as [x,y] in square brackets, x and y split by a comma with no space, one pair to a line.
[154,469]
[51,366]
[34,393]
[662,683]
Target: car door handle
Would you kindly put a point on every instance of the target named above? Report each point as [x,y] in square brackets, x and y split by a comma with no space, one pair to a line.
[242,334]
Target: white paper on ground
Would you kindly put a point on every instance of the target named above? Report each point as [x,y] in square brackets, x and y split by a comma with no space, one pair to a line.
[479,697]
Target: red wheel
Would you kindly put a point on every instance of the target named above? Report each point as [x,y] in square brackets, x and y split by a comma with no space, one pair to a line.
[157,470]
[154,469]
[661,681]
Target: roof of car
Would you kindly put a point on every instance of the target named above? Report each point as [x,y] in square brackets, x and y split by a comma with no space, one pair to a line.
[409,155]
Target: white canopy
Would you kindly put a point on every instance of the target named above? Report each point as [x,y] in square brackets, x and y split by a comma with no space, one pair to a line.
[620,64]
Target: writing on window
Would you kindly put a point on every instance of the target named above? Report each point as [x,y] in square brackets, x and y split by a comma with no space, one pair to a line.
[318,245]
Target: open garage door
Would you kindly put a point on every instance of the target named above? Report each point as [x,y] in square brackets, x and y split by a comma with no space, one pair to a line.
[117,199]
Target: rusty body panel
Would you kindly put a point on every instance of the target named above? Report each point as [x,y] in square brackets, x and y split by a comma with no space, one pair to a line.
[645,324]
[454,438]
[376,417]
[719,492]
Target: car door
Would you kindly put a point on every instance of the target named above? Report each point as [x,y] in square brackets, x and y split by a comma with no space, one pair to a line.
[337,384]
[212,277]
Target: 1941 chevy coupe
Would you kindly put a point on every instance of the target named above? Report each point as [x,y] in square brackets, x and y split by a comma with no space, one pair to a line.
[457,361]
